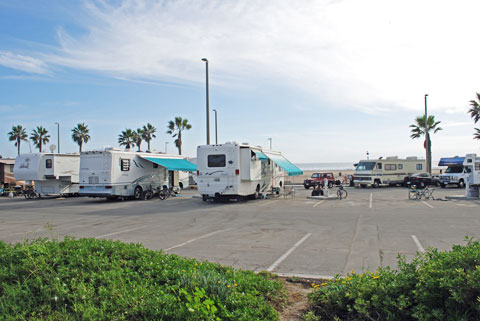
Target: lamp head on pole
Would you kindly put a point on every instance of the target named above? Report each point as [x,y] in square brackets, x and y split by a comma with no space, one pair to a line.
[205,59]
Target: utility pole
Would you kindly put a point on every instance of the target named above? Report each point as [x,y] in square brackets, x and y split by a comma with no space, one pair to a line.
[427,139]
[208,103]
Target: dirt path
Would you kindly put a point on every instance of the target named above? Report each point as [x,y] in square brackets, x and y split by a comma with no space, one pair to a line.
[297,304]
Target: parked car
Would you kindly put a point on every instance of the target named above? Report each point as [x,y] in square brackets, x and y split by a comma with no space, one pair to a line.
[319,177]
[421,180]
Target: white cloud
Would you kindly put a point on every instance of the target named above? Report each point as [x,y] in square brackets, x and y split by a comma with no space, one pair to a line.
[373,55]
[23,63]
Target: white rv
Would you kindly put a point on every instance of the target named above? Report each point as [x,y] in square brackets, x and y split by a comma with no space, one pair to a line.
[234,170]
[472,164]
[384,172]
[456,172]
[114,173]
[52,174]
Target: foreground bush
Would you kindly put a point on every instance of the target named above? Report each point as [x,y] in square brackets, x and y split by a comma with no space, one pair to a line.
[434,286]
[90,279]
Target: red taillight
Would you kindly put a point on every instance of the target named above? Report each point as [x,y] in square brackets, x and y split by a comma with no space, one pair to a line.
[108,187]
[237,172]
[198,173]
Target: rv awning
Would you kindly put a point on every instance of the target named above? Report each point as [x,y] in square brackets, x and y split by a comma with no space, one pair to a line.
[281,161]
[260,155]
[449,161]
[173,164]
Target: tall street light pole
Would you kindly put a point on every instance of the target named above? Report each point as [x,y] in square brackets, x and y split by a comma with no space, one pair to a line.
[427,138]
[216,128]
[208,107]
[58,136]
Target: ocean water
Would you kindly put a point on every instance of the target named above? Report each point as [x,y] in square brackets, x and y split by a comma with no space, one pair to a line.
[326,166]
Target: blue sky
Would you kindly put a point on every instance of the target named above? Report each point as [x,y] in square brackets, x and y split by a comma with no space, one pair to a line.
[327,80]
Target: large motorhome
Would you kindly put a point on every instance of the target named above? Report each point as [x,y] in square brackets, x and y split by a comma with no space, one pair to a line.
[113,173]
[233,170]
[456,173]
[384,172]
[52,174]
[472,163]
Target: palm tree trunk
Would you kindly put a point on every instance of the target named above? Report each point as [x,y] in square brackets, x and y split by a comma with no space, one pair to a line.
[18,145]
[148,143]
[179,145]
[80,146]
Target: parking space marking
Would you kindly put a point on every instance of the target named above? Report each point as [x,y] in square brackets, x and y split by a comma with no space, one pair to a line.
[286,254]
[465,205]
[318,203]
[427,204]
[419,245]
[195,239]
[371,200]
[268,203]
[119,232]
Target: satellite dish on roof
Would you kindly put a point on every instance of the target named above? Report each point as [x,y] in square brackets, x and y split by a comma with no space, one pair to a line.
[53,147]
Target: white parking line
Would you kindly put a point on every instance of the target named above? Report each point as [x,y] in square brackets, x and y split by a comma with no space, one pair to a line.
[195,239]
[268,203]
[119,232]
[284,256]
[419,245]
[427,204]
[318,203]
[371,200]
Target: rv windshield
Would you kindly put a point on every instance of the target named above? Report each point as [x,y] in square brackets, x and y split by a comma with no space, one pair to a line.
[454,170]
[365,166]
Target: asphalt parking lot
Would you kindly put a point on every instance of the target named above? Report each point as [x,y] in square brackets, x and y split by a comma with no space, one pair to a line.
[300,236]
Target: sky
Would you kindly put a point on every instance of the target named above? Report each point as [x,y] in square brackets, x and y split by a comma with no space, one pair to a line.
[326,80]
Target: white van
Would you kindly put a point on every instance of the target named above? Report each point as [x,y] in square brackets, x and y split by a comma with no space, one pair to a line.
[113,173]
[52,174]
[384,172]
[239,171]
[456,173]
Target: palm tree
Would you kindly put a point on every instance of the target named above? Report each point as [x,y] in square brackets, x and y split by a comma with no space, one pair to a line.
[126,138]
[418,130]
[18,134]
[148,132]
[39,137]
[81,135]
[475,114]
[175,129]
[138,137]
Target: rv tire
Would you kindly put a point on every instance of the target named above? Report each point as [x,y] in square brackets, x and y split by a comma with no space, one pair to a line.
[376,184]
[330,184]
[442,185]
[137,193]
[461,183]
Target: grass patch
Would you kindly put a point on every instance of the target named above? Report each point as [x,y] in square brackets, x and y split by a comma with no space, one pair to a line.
[89,279]
[434,286]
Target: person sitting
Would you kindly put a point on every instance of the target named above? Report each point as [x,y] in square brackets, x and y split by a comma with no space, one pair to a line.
[317,190]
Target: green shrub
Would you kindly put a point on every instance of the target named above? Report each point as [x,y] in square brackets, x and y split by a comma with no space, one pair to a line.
[90,279]
[434,286]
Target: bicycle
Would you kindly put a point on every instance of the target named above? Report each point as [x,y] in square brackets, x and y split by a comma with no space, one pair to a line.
[417,194]
[29,193]
[341,192]
[166,192]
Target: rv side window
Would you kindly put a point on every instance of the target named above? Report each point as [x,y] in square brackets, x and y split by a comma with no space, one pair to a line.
[477,166]
[390,167]
[216,161]
[124,165]
[400,166]
[48,163]
[379,165]
[419,167]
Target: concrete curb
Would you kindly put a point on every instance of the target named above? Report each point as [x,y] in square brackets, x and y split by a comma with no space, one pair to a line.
[461,197]
[323,197]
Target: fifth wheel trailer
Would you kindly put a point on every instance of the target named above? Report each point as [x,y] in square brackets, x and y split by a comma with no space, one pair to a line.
[233,170]
[52,174]
[113,173]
